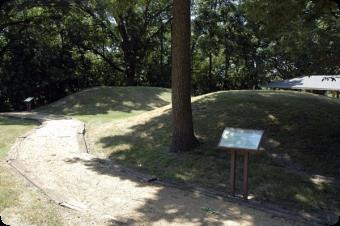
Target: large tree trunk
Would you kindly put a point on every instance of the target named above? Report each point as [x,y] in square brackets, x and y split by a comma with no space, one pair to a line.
[226,82]
[162,49]
[183,138]
[211,82]
[131,75]
[129,52]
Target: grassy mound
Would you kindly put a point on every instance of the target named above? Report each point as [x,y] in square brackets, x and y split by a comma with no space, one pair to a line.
[108,103]
[300,164]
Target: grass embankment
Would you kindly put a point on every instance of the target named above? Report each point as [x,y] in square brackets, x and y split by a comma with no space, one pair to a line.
[301,142]
[98,105]
[103,104]
[298,169]
[18,202]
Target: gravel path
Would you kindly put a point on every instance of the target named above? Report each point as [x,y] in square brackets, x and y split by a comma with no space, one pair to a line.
[54,158]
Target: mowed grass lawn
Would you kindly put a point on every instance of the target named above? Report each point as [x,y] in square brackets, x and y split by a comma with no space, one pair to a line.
[19,202]
[298,169]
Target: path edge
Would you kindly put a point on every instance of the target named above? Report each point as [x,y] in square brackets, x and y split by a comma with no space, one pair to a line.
[302,217]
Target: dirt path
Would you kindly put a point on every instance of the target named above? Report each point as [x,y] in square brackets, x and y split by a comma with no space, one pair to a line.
[54,158]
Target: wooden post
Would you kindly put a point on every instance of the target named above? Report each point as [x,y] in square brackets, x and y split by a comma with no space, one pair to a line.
[28,101]
[232,145]
[245,175]
[232,171]
[29,106]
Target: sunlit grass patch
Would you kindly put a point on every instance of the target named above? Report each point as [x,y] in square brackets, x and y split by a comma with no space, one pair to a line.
[38,213]
[8,191]
[10,129]
[14,194]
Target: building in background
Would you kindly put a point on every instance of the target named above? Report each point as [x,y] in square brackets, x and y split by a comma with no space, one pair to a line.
[319,84]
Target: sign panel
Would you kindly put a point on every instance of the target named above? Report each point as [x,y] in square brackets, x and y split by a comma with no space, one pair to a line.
[29,99]
[245,139]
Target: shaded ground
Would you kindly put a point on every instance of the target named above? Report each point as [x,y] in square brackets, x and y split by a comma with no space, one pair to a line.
[51,159]
[299,168]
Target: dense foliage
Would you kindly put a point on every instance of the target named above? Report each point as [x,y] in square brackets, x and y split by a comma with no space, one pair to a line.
[49,48]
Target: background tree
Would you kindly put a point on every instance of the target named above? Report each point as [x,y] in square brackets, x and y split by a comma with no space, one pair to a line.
[51,48]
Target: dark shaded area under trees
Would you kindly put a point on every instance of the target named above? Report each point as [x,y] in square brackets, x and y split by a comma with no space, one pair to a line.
[51,48]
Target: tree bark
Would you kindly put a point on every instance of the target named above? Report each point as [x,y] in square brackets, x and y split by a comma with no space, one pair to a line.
[131,73]
[211,82]
[162,49]
[129,52]
[183,138]
[226,82]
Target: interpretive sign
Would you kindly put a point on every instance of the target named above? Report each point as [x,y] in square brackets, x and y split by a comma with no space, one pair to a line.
[244,139]
[240,140]
[28,102]
[28,99]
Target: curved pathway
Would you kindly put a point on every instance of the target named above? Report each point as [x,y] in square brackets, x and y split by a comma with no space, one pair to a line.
[54,158]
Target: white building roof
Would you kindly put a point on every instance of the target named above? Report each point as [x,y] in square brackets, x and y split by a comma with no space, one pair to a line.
[313,82]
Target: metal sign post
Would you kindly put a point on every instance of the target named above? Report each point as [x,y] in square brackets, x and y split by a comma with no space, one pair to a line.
[240,141]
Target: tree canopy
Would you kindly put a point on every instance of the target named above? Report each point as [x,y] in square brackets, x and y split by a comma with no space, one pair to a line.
[54,47]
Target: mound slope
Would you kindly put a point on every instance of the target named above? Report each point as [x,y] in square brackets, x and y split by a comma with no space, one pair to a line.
[109,102]
[298,168]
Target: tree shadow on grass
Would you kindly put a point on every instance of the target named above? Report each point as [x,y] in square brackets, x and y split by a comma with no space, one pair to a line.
[298,131]
[167,205]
